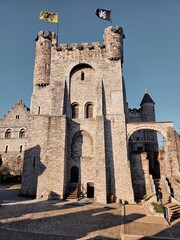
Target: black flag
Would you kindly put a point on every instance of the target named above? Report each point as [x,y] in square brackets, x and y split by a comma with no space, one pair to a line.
[104,14]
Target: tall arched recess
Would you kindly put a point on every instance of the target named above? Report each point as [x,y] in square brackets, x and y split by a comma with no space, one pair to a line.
[82,85]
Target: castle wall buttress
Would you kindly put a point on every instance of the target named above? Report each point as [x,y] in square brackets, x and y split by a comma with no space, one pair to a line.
[116,136]
[45,158]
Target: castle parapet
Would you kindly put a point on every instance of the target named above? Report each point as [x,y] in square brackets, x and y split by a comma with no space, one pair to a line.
[46,45]
[111,48]
[84,50]
[48,35]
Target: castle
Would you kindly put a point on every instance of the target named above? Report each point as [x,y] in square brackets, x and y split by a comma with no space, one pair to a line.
[79,133]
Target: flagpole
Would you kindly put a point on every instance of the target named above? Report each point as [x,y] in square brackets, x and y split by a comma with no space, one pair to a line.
[57,27]
[111,17]
[57,33]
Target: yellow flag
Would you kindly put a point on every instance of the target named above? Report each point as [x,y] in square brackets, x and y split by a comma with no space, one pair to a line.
[49,16]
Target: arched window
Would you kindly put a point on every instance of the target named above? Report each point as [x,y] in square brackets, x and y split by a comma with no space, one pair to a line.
[8,133]
[22,133]
[89,110]
[75,110]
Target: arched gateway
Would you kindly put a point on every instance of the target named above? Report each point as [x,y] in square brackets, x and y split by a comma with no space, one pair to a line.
[161,127]
[149,164]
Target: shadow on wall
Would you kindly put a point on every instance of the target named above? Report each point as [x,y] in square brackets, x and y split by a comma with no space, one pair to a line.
[110,182]
[137,174]
[32,168]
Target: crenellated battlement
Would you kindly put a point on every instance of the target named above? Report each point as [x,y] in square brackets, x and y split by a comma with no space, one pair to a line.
[51,36]
[82,46]
[84,50]
[134,110]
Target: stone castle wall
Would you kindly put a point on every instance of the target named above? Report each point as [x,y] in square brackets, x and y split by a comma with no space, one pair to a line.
[12,145]
[102,86]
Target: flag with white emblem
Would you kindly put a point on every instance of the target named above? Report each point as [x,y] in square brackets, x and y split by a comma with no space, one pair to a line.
[103,14]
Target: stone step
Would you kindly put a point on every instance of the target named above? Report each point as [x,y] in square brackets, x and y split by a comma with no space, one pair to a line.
[72,193]
[71,197]
[175,207]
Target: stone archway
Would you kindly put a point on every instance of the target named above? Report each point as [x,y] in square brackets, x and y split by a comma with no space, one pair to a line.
[161,127]
[145,168]
[165,129]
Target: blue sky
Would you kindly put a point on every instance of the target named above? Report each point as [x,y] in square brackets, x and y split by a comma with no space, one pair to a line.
[151,46]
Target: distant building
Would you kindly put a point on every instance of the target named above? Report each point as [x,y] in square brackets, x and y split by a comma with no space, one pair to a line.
[80,135]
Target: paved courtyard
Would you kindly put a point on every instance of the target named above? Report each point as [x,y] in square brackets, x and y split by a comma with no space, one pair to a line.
[38,219]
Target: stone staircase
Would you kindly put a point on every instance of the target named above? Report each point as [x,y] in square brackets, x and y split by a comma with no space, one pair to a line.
[173,211]
[72,191]
[160,186]
[173,207]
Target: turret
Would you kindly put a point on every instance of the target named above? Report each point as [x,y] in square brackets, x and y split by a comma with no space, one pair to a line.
[147,108]
[113,40]
[43,58]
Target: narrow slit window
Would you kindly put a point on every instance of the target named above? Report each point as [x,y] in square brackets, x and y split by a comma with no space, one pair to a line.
[82,76]
[1,161]
[20,148]
[6,148]
[34,161]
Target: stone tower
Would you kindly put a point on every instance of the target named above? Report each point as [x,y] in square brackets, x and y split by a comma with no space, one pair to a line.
[77,130]
[147,108]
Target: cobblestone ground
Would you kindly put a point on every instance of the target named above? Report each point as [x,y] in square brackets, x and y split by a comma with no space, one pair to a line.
[70,220]
[142,225]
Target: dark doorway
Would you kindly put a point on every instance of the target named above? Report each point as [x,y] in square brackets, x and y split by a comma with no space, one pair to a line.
[90,190]
[74,174]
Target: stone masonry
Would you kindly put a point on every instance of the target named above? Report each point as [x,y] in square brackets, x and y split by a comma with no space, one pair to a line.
[80,131]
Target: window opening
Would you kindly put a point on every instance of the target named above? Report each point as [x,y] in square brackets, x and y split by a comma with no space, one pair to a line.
[20,148]
[75,111]
[34,161]
[82,76]
[89,110]
[6,148]
[8,133]
[22,133]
